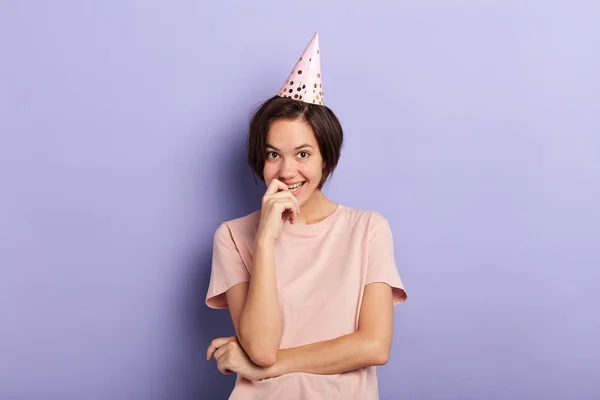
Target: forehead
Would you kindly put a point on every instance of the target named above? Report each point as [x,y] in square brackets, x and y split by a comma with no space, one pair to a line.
[290,133]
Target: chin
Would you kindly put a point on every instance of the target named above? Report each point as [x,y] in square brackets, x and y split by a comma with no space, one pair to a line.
[306,195]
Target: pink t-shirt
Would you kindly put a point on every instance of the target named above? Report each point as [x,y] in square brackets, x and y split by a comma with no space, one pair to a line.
[321,270]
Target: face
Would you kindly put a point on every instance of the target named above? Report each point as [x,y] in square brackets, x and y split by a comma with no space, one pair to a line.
[293,157]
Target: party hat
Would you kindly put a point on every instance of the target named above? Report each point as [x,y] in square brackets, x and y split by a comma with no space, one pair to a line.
[304,82]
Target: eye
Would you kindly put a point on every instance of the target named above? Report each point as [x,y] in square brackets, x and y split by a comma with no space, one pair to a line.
[303,154]
[272,154]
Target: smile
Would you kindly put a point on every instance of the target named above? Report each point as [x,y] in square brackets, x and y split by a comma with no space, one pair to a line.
[296,186]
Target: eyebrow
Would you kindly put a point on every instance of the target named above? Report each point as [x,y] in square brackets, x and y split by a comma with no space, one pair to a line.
[297,148]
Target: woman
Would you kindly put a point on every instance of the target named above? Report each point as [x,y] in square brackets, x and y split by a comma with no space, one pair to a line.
[310,284]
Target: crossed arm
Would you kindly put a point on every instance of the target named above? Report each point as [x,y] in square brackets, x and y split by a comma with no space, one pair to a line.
[257,318]
[369,345]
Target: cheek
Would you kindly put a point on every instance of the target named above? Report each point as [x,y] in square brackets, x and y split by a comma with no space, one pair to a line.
[314,171]
[269,171]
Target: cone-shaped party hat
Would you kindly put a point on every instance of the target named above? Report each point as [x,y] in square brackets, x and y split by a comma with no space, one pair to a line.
[304,82]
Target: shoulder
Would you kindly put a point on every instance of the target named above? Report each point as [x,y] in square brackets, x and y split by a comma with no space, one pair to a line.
[241,228]
[366,218]
[369,224]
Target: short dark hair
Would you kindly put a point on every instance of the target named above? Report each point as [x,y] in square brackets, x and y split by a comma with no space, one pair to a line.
[324,123]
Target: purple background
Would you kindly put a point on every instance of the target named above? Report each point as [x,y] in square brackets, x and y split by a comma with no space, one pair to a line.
[473,126]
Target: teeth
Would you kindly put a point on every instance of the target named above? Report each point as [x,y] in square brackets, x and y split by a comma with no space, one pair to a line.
[295,186]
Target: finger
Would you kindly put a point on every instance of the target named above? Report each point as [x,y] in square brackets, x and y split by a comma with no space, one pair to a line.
[223,368]
[297,205]
[283,196]
[275,186]
[287,195]
[296,208]
[295,211]
[217,343]
[288,215]
[214,345]
[285,205]
[219,352]
[223,364]
[289,210]
[280,195]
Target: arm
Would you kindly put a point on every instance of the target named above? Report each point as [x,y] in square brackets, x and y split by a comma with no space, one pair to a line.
[370,345]
[255,309]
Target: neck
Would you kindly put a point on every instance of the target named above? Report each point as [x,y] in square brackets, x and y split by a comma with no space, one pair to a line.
[316,209]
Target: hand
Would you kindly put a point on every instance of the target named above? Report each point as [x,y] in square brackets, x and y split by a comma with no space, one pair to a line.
[278,205]
[231,358]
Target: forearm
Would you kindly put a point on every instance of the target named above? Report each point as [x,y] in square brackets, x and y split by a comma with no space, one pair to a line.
[343,354]
[261,322]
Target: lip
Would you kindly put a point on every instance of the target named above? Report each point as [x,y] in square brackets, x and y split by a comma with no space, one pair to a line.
[292,183]
[296,191]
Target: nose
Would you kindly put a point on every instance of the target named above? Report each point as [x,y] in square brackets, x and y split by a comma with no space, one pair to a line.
[287,169]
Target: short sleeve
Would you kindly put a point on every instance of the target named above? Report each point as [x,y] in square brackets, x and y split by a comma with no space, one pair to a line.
[228,268]
[381,263]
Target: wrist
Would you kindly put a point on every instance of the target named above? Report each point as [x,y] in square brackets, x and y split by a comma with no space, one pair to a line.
[264,241]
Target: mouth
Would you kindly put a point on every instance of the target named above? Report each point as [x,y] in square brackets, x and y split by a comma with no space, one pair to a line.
[296,186]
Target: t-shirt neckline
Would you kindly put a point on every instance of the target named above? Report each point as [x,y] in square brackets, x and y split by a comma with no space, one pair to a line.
[315,228]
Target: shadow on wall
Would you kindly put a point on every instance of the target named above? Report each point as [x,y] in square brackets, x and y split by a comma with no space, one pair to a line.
[237,195]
